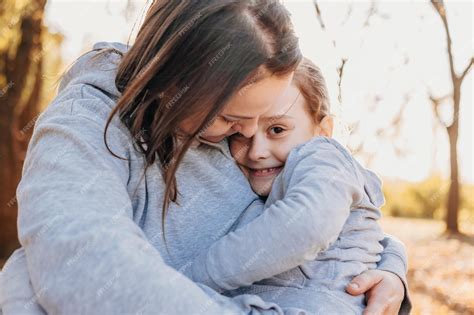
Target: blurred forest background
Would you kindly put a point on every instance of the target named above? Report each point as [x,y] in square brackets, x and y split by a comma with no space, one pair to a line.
[400,79]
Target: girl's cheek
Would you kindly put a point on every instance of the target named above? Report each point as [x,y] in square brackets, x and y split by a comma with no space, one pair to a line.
[282,150]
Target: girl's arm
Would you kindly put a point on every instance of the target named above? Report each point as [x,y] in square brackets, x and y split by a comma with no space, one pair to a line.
[321,185]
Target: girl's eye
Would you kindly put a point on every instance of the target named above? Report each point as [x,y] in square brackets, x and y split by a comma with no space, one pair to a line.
[276,130]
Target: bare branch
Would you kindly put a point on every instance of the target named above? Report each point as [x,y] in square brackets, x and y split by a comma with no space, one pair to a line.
[340,72]
[466,70]
[436,102]
[440,8]
[371,12]
[348,14]
[397,120]
[392,131]
[374,11]
[318,14]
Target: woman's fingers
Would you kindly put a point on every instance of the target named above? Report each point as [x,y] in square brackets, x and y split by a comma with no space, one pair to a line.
[384,291]
[376,308]
[382,303]
[364,282]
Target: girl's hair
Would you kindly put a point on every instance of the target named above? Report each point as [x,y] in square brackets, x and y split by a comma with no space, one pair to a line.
[187,61]
[310,81]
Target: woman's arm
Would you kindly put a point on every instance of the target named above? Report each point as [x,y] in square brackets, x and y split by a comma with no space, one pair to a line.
[386,288]
[84,252]
[321,185]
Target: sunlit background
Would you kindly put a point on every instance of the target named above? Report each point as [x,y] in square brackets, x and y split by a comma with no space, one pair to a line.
[386,64]
[401,41]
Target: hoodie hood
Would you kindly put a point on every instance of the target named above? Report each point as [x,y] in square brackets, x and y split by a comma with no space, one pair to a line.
[97,68]
[372,186]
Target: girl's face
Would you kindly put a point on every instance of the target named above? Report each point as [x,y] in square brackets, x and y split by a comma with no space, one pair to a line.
[283,127]
[242,112]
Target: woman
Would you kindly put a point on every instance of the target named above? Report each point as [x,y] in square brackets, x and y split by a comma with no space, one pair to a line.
[110,226]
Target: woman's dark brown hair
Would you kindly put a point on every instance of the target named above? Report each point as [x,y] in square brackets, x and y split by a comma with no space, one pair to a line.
[312,85]
[188,59]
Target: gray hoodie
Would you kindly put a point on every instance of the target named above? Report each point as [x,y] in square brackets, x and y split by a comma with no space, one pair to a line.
[320,219]
[90,223]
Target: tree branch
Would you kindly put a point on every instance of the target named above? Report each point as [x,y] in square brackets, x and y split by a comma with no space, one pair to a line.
[439,6]
[340,72]
[371,12]
[348,14]
[436,102]
[466,70]
[318,14]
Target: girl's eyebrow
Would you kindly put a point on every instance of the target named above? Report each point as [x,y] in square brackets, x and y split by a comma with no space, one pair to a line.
[276,117]
[266,118]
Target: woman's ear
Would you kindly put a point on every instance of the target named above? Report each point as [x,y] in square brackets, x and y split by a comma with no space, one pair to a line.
[325,127]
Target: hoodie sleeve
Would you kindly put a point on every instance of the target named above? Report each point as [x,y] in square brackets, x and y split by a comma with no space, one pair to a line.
[394,259]
[84,252]
[320,185]
[16,293]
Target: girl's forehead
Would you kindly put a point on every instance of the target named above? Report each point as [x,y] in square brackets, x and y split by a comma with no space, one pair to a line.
[258,98]
[285,105]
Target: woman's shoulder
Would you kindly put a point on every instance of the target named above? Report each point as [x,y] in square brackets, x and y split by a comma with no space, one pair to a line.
[87,89]
[97,69]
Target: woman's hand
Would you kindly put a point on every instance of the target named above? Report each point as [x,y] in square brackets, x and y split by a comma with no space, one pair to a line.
[384,291]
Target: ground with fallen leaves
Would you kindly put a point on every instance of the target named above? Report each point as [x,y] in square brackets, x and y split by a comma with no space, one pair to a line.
[441,269]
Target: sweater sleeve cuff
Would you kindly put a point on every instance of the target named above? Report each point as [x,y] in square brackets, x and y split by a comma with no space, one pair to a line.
[392,262]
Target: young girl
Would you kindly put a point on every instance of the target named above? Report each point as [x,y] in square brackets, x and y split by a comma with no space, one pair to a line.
[317,228]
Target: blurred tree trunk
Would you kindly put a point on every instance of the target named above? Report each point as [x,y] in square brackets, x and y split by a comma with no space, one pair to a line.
[20,61]
[452,128]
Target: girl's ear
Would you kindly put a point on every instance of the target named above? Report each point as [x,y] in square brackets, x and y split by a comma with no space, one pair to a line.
[325,127]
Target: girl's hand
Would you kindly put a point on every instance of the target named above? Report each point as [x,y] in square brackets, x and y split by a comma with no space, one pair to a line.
[384,291]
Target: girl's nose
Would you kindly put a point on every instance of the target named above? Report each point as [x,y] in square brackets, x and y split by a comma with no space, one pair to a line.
[258,150]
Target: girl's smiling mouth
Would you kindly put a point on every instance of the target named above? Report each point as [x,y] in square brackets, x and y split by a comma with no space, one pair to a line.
[263,172]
